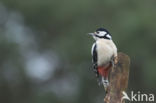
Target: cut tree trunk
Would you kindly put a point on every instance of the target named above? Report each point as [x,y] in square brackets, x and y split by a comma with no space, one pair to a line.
[118,80]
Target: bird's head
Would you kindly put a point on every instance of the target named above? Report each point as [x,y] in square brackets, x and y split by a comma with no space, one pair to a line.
[101,33]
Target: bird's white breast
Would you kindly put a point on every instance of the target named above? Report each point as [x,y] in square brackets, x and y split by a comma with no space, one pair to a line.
[105,50]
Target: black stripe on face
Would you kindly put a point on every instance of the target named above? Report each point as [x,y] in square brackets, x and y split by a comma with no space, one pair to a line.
[104,37]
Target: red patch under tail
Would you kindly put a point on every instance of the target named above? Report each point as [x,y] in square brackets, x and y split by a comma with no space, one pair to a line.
[104,71]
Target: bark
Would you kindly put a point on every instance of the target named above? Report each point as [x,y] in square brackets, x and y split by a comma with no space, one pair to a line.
[118,79]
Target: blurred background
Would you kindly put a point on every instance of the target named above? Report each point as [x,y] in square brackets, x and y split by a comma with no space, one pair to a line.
[45,52]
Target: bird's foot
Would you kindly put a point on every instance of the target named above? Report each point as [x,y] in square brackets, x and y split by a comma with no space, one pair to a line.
[105,84]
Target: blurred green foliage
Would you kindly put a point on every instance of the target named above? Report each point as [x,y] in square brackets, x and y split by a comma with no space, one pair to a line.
[54,31]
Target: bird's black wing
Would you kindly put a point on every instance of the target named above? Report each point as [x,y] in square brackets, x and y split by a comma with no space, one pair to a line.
[94,59]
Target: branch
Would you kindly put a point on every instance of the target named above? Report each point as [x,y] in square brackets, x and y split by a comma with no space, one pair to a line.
[118,80]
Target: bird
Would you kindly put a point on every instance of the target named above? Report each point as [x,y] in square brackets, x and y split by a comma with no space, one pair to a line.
[104,55]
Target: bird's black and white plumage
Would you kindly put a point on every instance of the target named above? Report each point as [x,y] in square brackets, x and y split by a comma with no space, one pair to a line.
[103,53]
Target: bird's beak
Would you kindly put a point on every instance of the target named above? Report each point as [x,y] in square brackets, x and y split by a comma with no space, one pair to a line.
[91,34]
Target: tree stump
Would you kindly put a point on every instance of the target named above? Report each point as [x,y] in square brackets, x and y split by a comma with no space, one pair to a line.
[118,80]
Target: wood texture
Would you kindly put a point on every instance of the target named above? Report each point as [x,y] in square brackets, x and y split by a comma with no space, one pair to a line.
[118,80]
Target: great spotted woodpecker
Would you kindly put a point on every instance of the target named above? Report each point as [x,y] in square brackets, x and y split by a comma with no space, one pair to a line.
[104,55]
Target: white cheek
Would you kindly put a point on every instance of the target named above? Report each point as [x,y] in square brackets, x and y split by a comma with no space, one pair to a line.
[102,33]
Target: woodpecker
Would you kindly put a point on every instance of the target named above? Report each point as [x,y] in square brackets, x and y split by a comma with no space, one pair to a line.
[104,55]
